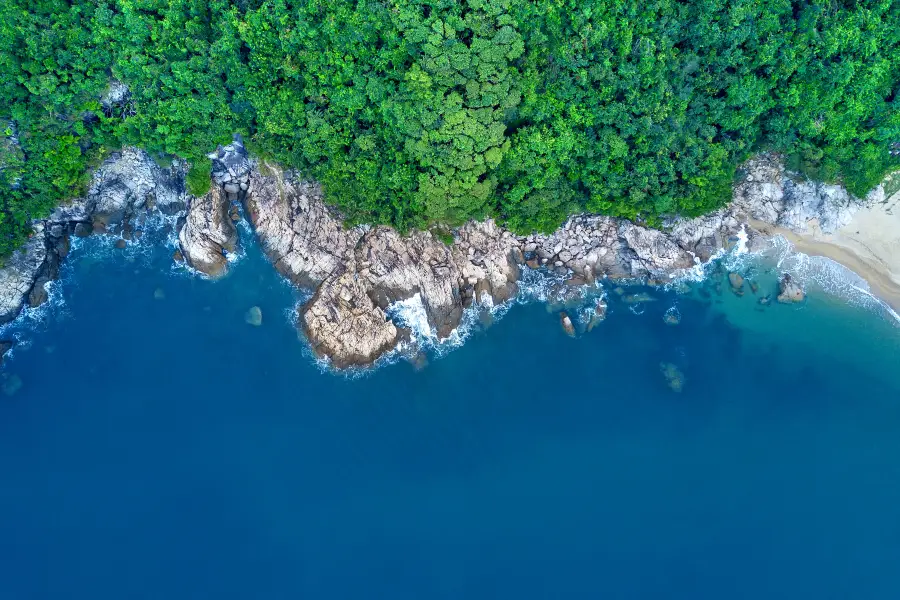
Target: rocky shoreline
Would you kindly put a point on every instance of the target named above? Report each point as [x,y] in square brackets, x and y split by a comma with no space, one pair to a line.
[357,273]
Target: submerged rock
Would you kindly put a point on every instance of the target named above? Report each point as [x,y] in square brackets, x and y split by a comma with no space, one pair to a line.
[673,375]
[254,316]
[83,230]
[597,314]
[639,298]
[159,294]
[363,270]
[789,291]
[672,316]
[11,384]
[736,280]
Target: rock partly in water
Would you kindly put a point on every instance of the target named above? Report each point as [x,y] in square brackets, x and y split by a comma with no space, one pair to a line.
[83,230]
[303,237]
[38,294]
[597,314]
[639,298]
[736,280]
[790,291]
[5,347]
[566,323]
[358,272]
[343,324]
[20,273]
[208,234]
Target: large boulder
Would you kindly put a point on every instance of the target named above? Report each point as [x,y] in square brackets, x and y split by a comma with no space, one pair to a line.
[303,237]
[394,267]
[20,272]
[343,324]
[488,257]
[789,291]
[656,254]
[231,168]
[770,194]
[208,233]
[130,180]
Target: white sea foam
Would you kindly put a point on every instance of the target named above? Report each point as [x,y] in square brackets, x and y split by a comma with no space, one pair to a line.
[412,314]
[829,276]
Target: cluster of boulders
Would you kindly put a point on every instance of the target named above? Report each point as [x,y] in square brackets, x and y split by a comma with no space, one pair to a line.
[209,234]
[597,246]
[231,169]
[357,273]
[123,188]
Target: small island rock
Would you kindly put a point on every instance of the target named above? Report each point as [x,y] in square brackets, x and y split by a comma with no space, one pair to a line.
[566,322]
[790,291]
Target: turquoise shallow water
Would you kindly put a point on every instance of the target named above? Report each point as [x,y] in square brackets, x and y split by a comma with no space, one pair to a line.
[163,448]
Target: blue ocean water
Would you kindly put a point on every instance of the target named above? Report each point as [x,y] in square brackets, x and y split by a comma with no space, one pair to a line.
[155,445]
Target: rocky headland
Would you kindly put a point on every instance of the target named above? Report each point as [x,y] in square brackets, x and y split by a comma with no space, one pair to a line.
[357,273]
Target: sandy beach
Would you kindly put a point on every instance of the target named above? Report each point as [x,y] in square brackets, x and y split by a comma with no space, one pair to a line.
[869,245]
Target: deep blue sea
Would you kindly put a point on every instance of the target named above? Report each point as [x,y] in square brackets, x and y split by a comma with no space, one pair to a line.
[153,445]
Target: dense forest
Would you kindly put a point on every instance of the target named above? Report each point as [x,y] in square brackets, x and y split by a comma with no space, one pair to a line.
[413,112]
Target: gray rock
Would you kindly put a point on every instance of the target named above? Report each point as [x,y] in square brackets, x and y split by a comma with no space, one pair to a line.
[566,323]
[208,233]
[20,273]
[83,230]
[789,291]
[38,294]
[344,325]
[130,180]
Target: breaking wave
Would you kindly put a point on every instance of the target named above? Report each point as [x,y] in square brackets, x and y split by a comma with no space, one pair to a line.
[828,276]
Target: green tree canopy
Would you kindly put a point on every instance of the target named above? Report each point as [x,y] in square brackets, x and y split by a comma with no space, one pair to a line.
[414,112]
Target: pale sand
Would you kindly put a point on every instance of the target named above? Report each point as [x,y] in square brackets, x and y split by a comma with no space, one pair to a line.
[869,245]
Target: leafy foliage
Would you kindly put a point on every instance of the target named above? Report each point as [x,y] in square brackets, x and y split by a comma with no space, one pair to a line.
[414,112]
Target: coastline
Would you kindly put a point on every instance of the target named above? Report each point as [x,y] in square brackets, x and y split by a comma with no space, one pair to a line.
[869,245]
[356,275]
